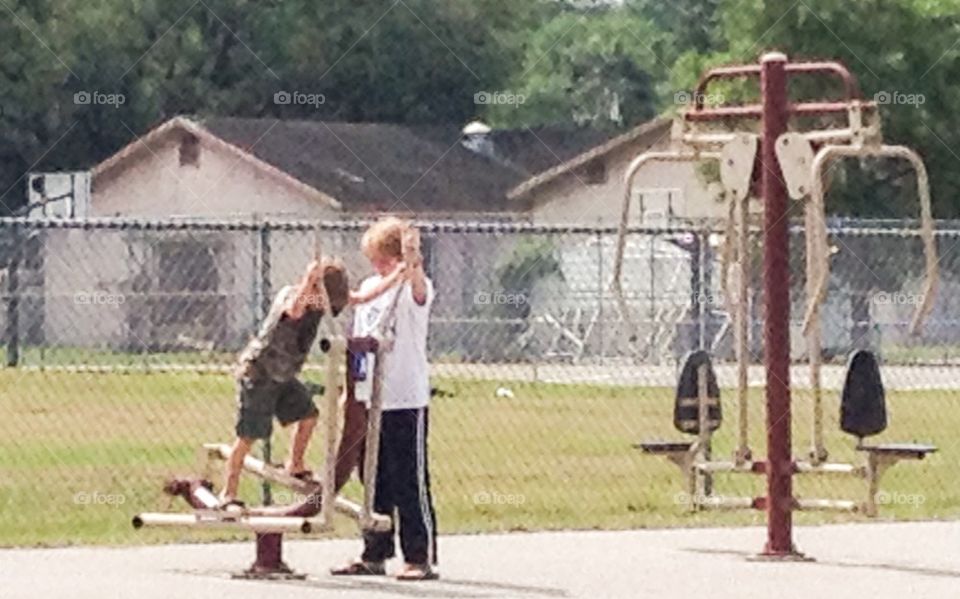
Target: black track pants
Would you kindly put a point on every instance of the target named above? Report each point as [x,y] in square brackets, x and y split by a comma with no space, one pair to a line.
[403,490]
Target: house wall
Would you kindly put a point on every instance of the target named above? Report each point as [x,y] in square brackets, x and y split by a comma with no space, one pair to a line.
[571,199]
[134,290]
[131,264]
[220,185]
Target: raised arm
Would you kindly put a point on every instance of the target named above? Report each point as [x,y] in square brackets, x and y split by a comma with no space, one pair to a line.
[382,287]
[414,261]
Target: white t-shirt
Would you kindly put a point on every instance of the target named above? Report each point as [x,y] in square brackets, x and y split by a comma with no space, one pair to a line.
[406,371]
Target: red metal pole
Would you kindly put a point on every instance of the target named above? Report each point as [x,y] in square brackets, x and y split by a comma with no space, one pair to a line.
[269,555]
[776,281]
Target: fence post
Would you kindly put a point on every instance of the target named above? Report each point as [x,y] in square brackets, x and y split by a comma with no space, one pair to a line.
[652,354]
[703,284]
[600,287]
[266,299]
[692,331]
[13,297]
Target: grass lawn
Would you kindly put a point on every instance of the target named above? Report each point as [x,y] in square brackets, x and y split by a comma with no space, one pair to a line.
[80,453]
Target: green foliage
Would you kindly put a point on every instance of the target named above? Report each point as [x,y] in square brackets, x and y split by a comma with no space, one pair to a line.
[517,274]
[694,24]
[530,261]
[901,48]
[606,63]
[599,69]
[411,61]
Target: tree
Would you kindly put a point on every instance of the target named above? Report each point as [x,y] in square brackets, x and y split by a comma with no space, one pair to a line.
[918,76]
[411,61]
[405,61]
[31,82]
[598,67]
[694,24]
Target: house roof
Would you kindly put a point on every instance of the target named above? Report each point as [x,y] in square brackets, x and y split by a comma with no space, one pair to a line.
[145,145]
[388,167]
[652,130]
[380,166]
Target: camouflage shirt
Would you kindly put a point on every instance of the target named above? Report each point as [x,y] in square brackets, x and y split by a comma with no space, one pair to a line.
[280,349]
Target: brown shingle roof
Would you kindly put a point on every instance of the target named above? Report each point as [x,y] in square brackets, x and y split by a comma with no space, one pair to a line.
[378,166]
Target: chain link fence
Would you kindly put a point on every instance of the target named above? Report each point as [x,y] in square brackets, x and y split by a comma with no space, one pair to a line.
[118,337]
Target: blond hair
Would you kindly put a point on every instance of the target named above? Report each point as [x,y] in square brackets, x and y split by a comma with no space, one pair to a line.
[384,238]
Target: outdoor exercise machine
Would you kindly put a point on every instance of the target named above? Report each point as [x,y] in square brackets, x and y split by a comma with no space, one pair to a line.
[318,499]
[316,502]
[767,166]
[736,156]
[803,169]
[863,413]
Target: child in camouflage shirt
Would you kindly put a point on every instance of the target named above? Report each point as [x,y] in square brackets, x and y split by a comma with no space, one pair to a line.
[267,384]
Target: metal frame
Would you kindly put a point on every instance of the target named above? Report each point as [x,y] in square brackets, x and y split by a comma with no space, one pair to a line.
[632,170]
[314,513]
[818,262]
[774,112]
[860,139]
[736,185]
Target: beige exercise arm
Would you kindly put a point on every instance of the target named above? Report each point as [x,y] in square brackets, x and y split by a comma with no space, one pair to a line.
[632,170]
[822,272]
[385,338]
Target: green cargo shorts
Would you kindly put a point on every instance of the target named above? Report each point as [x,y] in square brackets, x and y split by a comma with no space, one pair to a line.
[258,401]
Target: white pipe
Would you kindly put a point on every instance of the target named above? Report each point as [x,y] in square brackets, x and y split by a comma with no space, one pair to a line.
[801,468]
[342,505]
[336,358]
[842,505]
[259,468]
[718,139]
[725,503]
[828,468]
[204,519]
[375,521]
[732,467]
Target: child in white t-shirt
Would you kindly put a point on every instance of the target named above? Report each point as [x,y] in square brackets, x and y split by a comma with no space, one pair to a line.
[403,481]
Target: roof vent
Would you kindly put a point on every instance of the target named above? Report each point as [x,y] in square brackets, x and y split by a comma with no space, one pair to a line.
[476,138]
[476,128]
